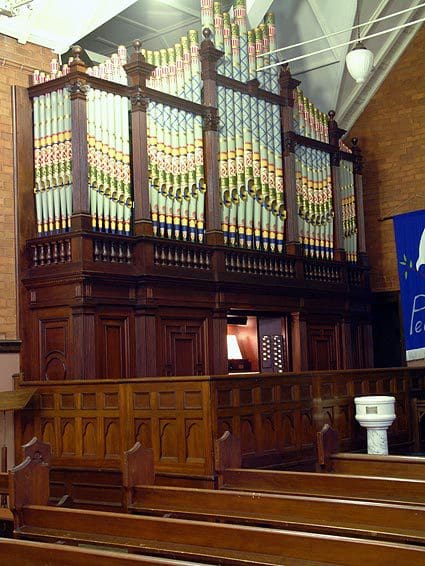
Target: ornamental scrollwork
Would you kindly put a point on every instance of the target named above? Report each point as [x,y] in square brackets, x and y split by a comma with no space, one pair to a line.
[211,120]
[139,101]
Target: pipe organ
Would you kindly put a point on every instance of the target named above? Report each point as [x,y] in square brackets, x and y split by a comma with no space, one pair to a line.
[183,184]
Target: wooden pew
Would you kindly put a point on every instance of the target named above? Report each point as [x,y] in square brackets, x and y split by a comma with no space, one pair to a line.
[342,486]
[331,460]
[30,553]
[183,539]
[34,449]
[312,514]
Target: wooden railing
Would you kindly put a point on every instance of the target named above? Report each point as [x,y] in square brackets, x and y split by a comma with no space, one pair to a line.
[91,423]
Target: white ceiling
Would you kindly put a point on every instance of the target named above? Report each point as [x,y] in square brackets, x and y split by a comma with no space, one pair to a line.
[101,25]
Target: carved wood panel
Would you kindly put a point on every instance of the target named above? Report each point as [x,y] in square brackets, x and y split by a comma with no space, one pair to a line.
[54,348]
[90,424]
[113,347]
[322,347]
[184,347]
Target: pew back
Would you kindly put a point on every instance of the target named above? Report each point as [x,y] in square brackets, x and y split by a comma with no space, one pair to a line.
[186,539]
[388,466]
[30,553]
[343,486]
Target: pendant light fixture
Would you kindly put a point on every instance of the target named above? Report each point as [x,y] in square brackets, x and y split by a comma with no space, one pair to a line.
[359,60]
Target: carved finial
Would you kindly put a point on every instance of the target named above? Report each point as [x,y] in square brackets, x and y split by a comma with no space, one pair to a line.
[76,52]
[331,115]
[206,32]
[354,141]
[137,45]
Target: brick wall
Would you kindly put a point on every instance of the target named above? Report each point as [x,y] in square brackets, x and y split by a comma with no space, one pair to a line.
[391,133]
[15,63]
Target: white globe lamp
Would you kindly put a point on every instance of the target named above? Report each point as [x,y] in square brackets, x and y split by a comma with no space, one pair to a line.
[359,62]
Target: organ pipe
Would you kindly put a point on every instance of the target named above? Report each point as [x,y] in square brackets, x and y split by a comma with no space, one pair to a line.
[251,176]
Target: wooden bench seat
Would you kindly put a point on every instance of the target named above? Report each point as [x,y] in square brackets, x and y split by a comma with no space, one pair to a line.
[388,466]
[186,539]
[30,553]
[342,486]
[211,542]
[313,514]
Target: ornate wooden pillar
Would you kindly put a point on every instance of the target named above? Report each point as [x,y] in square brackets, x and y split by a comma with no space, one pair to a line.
[358,188]
[209,56]
[78,88]
[138,71]
[335,134]
[287,87]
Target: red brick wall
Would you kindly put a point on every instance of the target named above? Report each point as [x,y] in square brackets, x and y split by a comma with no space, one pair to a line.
[391,133]
[14,62]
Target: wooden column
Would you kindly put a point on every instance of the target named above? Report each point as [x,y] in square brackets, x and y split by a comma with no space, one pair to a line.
[138,71]
[346,344]
[78,87]
[209,56]
[83,362]
[217,354]
[358,188]
[146,340]
[335,134]
[299,342]
[287,87]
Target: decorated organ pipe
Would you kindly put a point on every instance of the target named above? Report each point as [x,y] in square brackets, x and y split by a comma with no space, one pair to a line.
[175,145]
[314,201]
[349,222]
[52,161]
[250,162]
[250,156]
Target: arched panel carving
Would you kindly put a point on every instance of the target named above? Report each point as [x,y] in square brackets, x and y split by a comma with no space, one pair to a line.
[48,434]
[247,436]
[89,438]
[143,433]
[27,430]
[328,416]
[343,424]
[222,426]
[68,437]
[307,428]
[268,432]
[55,368]
[112,438]
[168,440]
[194,441]
[287,436]
[54,348]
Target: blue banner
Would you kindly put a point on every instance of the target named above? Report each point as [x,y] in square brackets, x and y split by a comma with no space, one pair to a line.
[410,243]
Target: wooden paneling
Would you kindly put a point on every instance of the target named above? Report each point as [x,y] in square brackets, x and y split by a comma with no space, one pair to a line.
[90,424]
[54,348]
[184,346]
[323,351]
[113,347]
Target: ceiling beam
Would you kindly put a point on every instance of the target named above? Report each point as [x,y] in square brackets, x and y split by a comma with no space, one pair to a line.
[196,13]
[256,10]
[385,59]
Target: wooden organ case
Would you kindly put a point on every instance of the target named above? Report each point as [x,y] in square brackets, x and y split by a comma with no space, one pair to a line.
[163,204]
